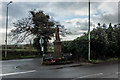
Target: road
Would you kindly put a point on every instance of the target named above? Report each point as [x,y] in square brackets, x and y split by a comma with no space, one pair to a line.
[32,68]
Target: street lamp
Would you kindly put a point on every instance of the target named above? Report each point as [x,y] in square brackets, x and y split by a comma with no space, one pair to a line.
[6,29]
[89,34]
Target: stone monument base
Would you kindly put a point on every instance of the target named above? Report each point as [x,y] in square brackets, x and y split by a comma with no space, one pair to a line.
[57,48]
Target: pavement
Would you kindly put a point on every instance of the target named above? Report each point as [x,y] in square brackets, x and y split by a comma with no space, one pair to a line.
[33,68]
[72,65]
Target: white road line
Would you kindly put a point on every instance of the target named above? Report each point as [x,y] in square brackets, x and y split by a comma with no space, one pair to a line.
[16,73]
[117,73]
[86,76]
[16,60]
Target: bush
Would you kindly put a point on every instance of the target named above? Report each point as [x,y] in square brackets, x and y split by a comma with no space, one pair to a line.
[14,54]
[105,44]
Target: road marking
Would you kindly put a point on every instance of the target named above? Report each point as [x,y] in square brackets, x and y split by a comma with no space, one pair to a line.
[117,73]
[17,60]
[88,76]
[16,73]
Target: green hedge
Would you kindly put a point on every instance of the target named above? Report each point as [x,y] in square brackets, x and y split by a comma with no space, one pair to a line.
[20,53]
[13,54]
[105,44]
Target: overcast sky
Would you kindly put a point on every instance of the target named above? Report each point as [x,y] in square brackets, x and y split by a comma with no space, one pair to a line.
[73,15]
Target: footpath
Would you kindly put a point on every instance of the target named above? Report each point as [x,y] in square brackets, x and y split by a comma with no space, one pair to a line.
[76,64]
[72,65]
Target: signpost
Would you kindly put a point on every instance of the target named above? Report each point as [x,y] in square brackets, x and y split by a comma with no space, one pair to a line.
[41,41]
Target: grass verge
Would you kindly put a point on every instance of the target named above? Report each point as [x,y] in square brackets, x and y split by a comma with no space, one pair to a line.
[112,60]
[20,57]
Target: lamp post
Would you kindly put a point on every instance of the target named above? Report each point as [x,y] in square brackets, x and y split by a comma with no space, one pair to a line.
[89,33]
[6,29]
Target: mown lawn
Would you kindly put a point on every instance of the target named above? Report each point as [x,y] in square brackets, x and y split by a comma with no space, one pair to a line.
[103,61]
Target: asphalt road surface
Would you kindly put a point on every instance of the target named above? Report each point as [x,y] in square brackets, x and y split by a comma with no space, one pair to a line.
[32,68]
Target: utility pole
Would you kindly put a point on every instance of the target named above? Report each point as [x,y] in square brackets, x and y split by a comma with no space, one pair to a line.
[89,33]
[6,29]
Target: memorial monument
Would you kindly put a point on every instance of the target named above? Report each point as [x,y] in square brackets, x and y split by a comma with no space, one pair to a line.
[57,43]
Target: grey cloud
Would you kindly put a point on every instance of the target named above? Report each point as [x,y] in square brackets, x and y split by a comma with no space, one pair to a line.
[78,23]
[82,26]
[66,9]
[19,10]
[70,5]
[108,13]
[57,10]
[76,27]
[109,18]
[75,31]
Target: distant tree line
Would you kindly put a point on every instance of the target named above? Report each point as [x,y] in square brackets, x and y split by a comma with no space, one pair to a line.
[23,46]
[105,43]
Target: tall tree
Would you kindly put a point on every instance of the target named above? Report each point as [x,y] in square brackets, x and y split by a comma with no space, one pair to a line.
[36,25]
[104,26]
[99,43]
[98,24]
